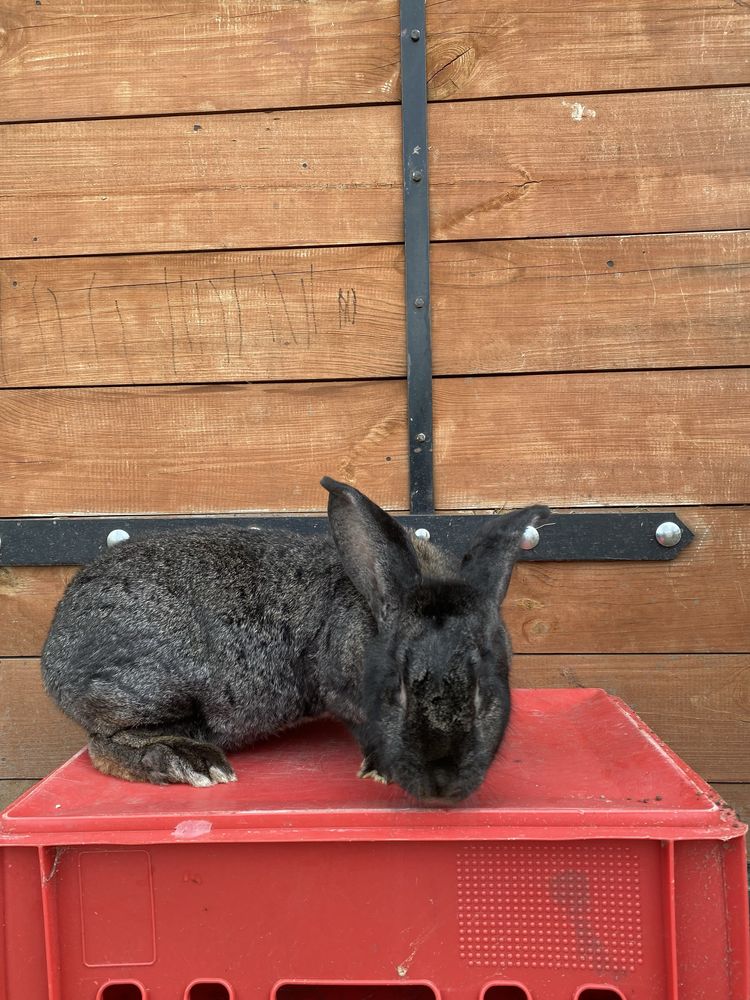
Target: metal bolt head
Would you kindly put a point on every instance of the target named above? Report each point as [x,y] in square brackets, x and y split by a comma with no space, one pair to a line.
[419,302]
[116,536]
[416,176]
[415,34]
[668,534]
[421,436]
[422,533]
[530,538]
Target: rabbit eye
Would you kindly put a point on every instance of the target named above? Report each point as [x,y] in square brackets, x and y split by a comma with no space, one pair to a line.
[477,699]
[402,696]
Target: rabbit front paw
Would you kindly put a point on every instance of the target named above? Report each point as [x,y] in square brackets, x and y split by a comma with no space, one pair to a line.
[365,771]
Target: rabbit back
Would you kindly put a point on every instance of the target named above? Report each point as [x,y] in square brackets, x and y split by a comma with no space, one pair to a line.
[223,627]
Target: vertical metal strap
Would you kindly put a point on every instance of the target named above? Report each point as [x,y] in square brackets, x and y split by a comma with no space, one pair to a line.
[417,253]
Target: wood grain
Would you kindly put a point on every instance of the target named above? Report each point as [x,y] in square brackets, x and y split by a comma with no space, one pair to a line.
[618,438]
[738,797]
[484,48]
[697,704]
[627,163]
[28,598]
[602,302]
[200,448]
[623,163]
[37,737]
[520,305]
[86,58]
[697,603]
[11,788]
[570,440]
[240,180]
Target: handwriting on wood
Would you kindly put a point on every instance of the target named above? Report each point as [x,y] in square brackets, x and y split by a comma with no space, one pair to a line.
[337,312]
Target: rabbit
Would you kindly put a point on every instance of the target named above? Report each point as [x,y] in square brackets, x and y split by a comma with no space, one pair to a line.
[171,650]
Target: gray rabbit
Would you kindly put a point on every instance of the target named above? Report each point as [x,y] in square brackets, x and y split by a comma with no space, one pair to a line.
[171,650]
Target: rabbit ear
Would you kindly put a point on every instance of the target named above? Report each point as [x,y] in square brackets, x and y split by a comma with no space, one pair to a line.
[374,549]
[490,558]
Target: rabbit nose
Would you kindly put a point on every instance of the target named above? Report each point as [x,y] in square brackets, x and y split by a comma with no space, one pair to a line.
[441,779]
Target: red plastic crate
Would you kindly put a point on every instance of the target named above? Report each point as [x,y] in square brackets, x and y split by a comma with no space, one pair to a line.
[591,865]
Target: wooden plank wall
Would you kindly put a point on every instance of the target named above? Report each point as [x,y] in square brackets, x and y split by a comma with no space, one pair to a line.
[201,305]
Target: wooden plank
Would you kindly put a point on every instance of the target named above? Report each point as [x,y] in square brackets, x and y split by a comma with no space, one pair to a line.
[200,448]
[697,704]
[11,788]
[28,599]
[568,440]
[695,604]
[737,795]
[484,48]
[274,315]
[521,305]
[240,180]
[84,58]
[36,735]
[626,163]
[623,163]
[577,440]
[602,302]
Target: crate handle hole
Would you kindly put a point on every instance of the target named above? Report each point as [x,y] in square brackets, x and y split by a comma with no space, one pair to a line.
[121,991]
[209,989]
[599,993]
[354,991]
[506,991]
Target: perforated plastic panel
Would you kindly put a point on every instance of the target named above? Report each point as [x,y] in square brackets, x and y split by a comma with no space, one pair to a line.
[574,905]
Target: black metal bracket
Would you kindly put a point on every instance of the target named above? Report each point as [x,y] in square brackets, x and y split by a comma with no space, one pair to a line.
[72,541]
[417,253]
[60,541]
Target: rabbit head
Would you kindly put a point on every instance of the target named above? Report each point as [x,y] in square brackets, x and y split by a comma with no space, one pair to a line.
[435,681]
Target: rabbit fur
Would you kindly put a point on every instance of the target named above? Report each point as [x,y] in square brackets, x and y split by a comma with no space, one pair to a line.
[171,650]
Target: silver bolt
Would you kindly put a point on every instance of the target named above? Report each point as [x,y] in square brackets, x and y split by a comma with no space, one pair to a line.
[416,175]
[415,34]
[116,536]
[419,302]
[422,533]
[421,436]
[530,538]
[668,534]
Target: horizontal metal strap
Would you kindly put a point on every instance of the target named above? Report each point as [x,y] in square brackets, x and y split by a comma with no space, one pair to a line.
[73,541]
